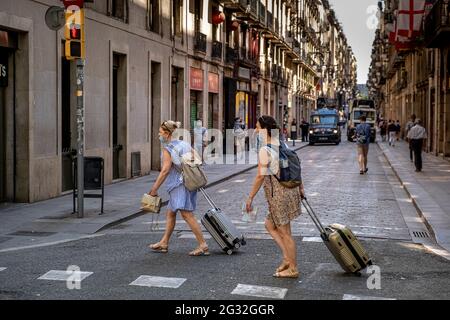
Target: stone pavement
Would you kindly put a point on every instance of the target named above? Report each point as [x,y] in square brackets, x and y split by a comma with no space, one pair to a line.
[52,220]
[429,189]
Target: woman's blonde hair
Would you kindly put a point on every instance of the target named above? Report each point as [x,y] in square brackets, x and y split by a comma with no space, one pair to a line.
[170,126]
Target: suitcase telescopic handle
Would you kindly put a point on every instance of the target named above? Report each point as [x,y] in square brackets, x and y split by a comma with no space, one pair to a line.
[313,215]
[211,203]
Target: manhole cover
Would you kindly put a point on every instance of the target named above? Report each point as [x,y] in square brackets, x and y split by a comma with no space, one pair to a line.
[31,234]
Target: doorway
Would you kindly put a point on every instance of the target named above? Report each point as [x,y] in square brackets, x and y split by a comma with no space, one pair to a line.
[119,116]
[67,116]
[156,115]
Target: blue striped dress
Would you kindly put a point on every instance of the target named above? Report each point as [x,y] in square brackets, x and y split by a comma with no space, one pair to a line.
[179,197]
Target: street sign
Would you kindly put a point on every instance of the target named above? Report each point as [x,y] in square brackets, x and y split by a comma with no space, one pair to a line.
[55,17]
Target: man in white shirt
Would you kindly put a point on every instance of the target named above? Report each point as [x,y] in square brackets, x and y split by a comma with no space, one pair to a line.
[417,135]
[411,123]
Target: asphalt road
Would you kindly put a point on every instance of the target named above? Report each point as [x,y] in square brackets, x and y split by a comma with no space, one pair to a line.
[369,204]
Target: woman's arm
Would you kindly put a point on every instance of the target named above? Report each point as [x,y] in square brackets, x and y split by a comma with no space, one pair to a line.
[166,165]
[263,164]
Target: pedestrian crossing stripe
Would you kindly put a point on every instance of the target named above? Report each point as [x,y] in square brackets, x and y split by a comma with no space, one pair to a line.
[159,282]
[65,275]
[312,239]
[260,291]
[2,269]
[358,297]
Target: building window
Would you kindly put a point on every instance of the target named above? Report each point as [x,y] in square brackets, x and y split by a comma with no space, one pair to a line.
[177,17]
[198,15]
[153,15]
[118,9]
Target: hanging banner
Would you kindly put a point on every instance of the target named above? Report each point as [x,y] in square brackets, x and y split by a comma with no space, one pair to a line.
[213,82]
[196,79]
[3,69]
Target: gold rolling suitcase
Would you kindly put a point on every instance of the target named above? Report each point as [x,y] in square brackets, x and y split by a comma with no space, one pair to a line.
[342,243]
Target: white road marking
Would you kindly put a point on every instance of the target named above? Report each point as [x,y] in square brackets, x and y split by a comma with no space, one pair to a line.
[260,291]
[312,239]
[357,297]
[2,269]
[52,243]
[160,282]
[63,275]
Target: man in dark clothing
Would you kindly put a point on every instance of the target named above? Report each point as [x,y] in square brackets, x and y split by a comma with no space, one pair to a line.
[392,131]
[305,130]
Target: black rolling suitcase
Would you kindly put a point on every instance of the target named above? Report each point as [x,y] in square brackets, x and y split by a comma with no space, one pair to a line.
[221,228]
[342,243]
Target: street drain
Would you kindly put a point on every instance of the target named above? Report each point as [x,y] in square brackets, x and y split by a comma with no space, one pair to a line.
[421,234]
[31,234]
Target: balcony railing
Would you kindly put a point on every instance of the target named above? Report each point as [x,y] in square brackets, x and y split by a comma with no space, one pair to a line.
[274,72]
[231,55]
[267,70]
[200,42]
[216,51]
[243,53]
[437,25]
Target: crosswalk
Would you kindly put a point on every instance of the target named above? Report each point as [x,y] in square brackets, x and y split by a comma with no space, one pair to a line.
[153,281]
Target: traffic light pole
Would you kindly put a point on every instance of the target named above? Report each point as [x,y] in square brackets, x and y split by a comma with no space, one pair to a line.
[80,137]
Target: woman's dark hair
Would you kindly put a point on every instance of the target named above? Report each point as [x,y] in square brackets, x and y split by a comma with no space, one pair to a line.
[269,123]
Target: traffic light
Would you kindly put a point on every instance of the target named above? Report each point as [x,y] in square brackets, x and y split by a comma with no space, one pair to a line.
[74,34]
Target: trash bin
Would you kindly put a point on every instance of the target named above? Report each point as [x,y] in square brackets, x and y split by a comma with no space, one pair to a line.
[94,179]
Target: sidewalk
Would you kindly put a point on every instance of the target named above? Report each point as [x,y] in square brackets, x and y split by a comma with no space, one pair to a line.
[52,220]
[429,189]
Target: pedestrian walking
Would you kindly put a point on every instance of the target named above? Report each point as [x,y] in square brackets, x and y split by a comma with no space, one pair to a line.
[180,199]
[293,131]
[362,133]
[383,129]
[200,137]
[392,132]
[305,130]
[398,130]
[411,123]
[284,203]
[417,135]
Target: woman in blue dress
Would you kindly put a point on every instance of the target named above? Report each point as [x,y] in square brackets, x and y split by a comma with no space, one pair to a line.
[180,199]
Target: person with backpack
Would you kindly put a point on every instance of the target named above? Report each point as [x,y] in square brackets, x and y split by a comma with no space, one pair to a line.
[180,198]
[362,133]
[279,173]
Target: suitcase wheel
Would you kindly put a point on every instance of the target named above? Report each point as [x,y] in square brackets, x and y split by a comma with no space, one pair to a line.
[229,252]
[237,245]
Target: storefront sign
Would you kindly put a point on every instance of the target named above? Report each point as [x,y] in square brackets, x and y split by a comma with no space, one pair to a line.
[243,86]
[244,73]
[213,82]
[196,79]
[3,69]
[254,86]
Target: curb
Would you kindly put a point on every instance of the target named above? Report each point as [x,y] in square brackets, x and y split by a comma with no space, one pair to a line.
[414,202]
[164,203]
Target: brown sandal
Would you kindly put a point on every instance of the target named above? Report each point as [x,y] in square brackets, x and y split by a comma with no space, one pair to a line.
[283,266]
[289,273]
[200,251]
[157,247]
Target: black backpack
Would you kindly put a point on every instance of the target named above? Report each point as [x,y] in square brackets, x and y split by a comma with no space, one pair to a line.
[290,173]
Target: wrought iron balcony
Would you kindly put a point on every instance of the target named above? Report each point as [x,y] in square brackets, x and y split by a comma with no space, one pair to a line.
[216,52]
[437,25]
[200,42]
[231,55]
